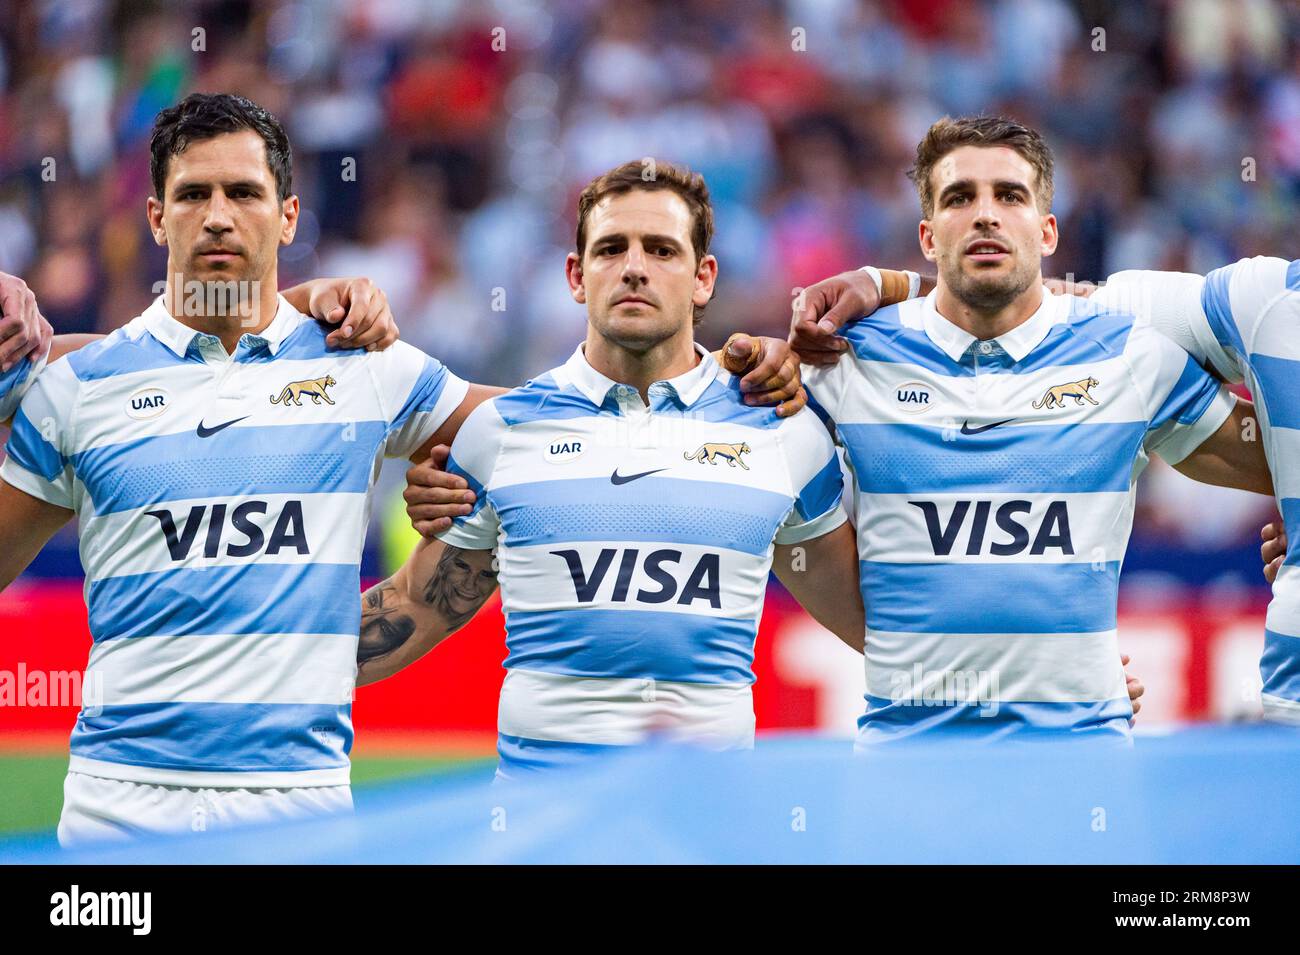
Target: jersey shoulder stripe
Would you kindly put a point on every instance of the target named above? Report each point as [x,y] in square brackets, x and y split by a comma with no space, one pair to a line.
[722,403]
[892,335]
[1279,385]
[884,336]
[542,399]
[28,448]
[307,341]
[1216,303]
[128,349]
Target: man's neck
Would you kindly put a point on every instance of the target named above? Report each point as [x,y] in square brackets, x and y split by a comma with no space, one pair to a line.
[986,324]
[208,309]
[668,359]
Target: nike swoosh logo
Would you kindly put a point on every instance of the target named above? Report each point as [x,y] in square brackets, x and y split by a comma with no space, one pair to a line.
[617,478]
[967,429]
[209,432]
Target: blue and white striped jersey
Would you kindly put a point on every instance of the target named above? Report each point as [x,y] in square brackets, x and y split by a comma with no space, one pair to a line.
[1243,320]
[222,504]
[633,545]
[994,499]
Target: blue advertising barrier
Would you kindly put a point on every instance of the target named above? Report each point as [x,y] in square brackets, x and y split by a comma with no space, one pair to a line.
[1212,794]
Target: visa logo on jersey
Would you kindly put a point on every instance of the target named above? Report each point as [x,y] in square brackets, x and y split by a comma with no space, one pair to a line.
[247,530]
[1014,533]
[663,566]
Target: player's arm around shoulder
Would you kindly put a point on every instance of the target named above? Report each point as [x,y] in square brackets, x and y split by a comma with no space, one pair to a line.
[26,524]
[36,485]
[1233,456]
[1194,422]
[424,402]
[816,552]
[438,589]
[1173,304]
[822,574]
[447,578]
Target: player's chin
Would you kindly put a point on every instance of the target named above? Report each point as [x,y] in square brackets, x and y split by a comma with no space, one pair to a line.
[991,284]
[632,329]
[999,265]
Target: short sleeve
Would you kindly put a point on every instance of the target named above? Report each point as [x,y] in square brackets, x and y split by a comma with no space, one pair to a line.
[1185,403]
[419,395]
[816,478]
[1236,296]
[826,386]
[38,453]
[473,456]
[16,382]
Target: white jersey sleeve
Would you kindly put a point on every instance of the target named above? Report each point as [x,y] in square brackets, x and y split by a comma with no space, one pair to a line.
[39,452]
[1185,405]
[827,385]
[16,382]
[1214,318]
[1237,296]
[418,394]
[815,479]
[474,455]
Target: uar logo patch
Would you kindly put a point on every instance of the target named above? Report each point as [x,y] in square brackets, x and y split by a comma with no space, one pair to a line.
[913,397]
[565,448]
[147,403]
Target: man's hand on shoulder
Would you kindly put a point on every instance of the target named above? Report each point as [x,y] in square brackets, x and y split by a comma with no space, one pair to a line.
[770,372]
[23,331]
[821,310]
[357,306]
[1064,287]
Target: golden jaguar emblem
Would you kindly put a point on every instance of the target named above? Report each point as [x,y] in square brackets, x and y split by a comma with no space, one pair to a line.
[313,388]
[1055,396]
[728,452]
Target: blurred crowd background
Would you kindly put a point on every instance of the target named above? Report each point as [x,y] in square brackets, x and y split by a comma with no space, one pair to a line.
[440,146]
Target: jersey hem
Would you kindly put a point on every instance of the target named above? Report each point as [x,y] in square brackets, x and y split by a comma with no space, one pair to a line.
[1280,710]
[817,527]
[28,482]
[1184,441]
[264,779]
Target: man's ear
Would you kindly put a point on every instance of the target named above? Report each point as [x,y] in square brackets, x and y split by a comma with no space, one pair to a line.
[1050,234]
[573,272]
[153,211]
[706,277]
[926,235]
[289,220]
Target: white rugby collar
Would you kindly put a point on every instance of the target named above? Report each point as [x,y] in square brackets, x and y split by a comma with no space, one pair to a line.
[1017,343]
[178,336]
[688,387]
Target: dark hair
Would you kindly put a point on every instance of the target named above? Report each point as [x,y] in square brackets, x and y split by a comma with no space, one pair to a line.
[949,134]
[202,116]
[651,175]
